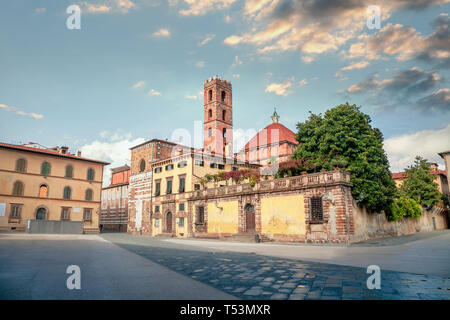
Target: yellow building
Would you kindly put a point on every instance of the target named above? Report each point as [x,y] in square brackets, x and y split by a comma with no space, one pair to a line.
[173,178]
[49,184]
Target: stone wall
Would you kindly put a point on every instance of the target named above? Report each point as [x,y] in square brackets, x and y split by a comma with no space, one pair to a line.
[372,226]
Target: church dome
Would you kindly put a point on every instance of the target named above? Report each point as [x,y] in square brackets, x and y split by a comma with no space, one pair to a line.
[273,133]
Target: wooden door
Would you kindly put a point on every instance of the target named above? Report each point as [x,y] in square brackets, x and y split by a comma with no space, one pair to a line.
[169,223]
[249,218]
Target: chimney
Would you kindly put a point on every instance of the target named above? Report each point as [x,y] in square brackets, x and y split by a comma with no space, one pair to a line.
[78,153]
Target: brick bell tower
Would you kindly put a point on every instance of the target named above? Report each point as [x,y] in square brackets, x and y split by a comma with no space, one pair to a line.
[218,117]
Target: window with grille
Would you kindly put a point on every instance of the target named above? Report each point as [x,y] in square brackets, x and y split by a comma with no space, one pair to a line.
[213,165]
[181,207]
[316,209]
[200,215]
[169,187]
[65,213]
[157,188]
[169,167]
[45,168]
[15,211]
[67,193]
[90,174]
[182,185]
[156,209]
[181,222]
[156,223]
[87,214]
[18,189]
[182,164]
[69,171]
[221,166]
[196,186]
[157,170]
[21,165]
[88,195]
[199,163]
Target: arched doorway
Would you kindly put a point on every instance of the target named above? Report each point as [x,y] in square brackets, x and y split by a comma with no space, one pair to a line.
[41,214]
[249,218]
[169,222]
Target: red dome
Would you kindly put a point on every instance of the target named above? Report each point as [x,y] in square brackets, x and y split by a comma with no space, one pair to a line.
[269,135]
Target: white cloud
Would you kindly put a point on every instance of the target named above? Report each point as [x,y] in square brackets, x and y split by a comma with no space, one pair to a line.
[153,92]
[116,152]
[201,7]
[33,115]
[200,64]
[113,6]
[191,97]
[236,75]
[138,84]
[402,149]
[162,33]
[280,88]
[208,38]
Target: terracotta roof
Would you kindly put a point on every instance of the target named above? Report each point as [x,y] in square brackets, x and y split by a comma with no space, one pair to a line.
[264,136]
[120,169]
[399,175]
[443,153]
[49,152]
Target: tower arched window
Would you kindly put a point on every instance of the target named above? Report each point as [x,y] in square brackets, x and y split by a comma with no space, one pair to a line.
[209,132]
[224,132]
[67,193]
[210,95]
[209,113]
[224,113]
[224,94]
[21,165]
[18,188]
[43,191]
[142,165]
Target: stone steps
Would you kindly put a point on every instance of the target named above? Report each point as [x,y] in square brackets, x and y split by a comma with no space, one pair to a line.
[164,235]
[242,237]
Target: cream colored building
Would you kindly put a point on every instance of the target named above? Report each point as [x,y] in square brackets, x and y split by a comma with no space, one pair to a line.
[48,183]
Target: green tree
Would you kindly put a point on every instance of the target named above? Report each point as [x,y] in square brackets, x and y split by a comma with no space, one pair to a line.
[344,136]
[419,183]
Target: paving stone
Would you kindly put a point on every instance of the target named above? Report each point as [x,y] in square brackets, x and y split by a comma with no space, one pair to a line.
[297,297]
[253,292]
[279,296]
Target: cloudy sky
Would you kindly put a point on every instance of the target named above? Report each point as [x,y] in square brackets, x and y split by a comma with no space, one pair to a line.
[135,69]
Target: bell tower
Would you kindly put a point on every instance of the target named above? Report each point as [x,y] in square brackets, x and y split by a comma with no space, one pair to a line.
[218,117]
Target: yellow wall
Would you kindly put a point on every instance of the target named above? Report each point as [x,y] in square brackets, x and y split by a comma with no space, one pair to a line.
[283,215]
[183,230]
[156,230]
[223,218]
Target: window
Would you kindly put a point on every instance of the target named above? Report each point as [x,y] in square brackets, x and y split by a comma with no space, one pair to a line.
[316,209]
[200,215]
[156,223]
[221,166]
[43,191]
[199,163]
[90,174]
[209,132]
[182,183]
[16,210]
[235,168]
[142,166]
[223,95]
[169,167]
[21,165]
[157,170]
[88,195]
[169,187]
[87,214]
[196,186]
[223,114]
[69,171]
[209,113]
[65,213]
[213,165]
[67,193]
[17,189]
[157,188]
[182,164]
[181,222]
[45,168]
[156,209]
[224,133]
[181,207]
[210,95]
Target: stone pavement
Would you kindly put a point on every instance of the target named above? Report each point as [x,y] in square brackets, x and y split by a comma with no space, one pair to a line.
[251,276]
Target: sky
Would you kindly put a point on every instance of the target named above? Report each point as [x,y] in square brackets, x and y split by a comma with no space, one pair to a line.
[135,69]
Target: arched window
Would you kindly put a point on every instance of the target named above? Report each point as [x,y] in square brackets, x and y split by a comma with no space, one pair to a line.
[69,171]
[224,113]
[223,95]
[67,193]
[142,165]
[45,168]
[209,132]
[88,195]
[210,95]
[90,174]
[21,165]
[18,189]
[43,191]
[224,132]
[209,113]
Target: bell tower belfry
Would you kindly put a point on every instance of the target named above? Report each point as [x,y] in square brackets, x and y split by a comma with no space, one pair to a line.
[218,117]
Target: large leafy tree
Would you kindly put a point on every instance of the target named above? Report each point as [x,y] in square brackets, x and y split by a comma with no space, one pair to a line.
[419,183]
[343,137]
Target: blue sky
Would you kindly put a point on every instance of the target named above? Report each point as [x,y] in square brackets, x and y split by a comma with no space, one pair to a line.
[135,69]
